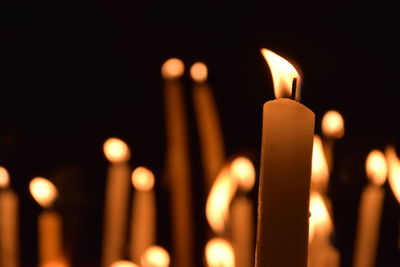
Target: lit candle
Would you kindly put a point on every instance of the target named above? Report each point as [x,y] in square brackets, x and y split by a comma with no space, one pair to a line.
[49,222]
[208,124]
[369,217]
[219,253]
[178,163]
[287,140]
[116,200]
[393,171]
[143,213]
[242,222]
[8,222]
[155,256]
[123,264]
[320,172]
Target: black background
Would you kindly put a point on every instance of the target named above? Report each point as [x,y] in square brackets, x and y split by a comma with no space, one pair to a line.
[74,75]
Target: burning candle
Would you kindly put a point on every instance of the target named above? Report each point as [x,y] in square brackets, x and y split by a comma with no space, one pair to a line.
[219,253]
[393,171]
[155,256]
[123,264]
[242,223]
[208,124]
[178,163]
[287,140]
[320,172]
[143,213]
[369,217]
[8,222]
[116,200]
[49,222]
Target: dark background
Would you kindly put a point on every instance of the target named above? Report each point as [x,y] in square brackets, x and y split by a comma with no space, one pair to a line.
[74,75]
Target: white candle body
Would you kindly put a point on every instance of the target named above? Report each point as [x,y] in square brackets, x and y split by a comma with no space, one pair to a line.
[143,226]
[116,210]
[50,237]
[243,231]
[8,228]
[287,140]
[369,220]
[210,134]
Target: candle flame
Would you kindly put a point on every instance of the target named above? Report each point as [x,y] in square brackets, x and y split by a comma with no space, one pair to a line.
[172,68]
[283,72]
[4,177]
[123,264]
[116,150]
[242,170]
[219,199]
[199,72]
[320,220]
[142,179]
[155,256]
[219,253]
[376,167]
[394,171]
[333,124]
[319,173]
[43,191]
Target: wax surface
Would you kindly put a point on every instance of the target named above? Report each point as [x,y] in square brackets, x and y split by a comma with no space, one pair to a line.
[287,140]
[8,228]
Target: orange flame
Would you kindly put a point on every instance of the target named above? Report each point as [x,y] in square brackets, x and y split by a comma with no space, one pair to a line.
[320,173]
[199,72]
[43,191]
[394,171]
[142,179]
[123,264]
[172,68]
[320,219]
[219,253]
[333,124]
[155,256]
[376,168]
[242,170]
[4,177]
[116,150]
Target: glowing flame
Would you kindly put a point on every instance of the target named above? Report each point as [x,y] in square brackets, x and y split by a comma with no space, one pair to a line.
[219,199]
[142,179]
[394,171]
[333,124]
[43,191]
[172,68]
[56,263]
[155,256]
[4,177]
[320,173]
[123,264]
[242,169]
[320,220]
[199,72]
[219,253]
[116,150]
[283,73]
[376,167]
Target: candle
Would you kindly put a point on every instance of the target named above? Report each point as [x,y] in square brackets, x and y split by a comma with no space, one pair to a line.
[208,124]
[287,139]
[49,222]
[143,213]
[393,171]
[369,216]
[320,172]
[116,200]
[8,222]
[242,223]
[178,163]
[123,264]
[155,256]
[219,253]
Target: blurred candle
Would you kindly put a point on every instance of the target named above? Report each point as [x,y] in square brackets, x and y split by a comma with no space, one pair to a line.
[208,124]
[287,140]
[49,222]
[116,200]
[369,216]
[143,213]
[123,264]
[219,253]
[8,222]
[393,171]
[178,163]
[242,222]
[155,256]
[332,129]
[320,172]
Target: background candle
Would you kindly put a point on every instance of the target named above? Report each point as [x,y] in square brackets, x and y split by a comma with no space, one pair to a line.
[219,253]
[116,200]
[320,172]
[123,264]
[8,222]
[369,216]
[155,256]
[143,213]
[393,171]
[287,139]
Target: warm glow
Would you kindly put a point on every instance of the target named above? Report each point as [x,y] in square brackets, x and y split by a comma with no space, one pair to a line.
[219,199]
[56,263]
[320,173]
[172,68]
[394,171]
[155,257]
[242,169]
[116,150]
[123,264]
[376,167]
[320,220]
[219,253]
[43,191]
[283,73]
[333,124]
[4,177]
[142,179]
[199,72]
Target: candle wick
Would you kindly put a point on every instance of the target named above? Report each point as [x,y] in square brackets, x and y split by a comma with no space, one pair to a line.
[294,87]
